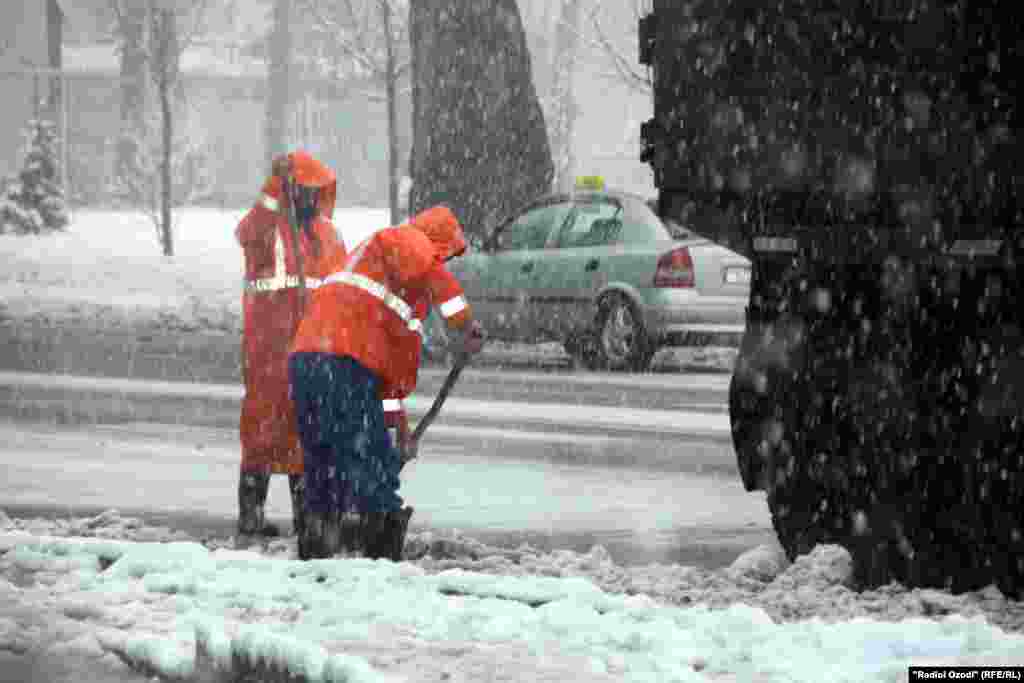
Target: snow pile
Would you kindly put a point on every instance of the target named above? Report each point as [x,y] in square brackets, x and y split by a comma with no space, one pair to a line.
[107,524]
[762,563]
[178,608]
[815,586]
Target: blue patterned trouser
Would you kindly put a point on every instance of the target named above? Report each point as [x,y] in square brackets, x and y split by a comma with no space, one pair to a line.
[350,462]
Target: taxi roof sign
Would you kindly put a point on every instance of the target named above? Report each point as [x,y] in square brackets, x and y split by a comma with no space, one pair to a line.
[590,182]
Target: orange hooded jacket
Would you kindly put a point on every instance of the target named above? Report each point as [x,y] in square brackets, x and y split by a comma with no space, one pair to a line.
[271,312]
[371,306]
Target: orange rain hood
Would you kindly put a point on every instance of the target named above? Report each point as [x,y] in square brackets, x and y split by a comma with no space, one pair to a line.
[441,226]
[310,172]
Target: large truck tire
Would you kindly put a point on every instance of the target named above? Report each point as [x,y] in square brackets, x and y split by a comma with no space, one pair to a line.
[866,157]
[903,442]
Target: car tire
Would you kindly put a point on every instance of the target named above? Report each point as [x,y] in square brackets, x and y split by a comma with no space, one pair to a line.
[619,340]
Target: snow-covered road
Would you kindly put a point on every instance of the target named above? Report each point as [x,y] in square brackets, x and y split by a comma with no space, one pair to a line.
[638,514]
[567,468]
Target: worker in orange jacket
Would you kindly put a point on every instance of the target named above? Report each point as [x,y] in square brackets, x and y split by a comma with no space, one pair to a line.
[273,302]
[358,344]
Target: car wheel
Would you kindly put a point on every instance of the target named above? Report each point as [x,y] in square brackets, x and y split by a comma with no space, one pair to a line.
[620,342]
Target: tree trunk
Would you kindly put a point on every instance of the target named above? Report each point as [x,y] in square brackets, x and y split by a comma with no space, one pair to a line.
[55,45]
[167,55]
[279,81]
[133,84]
[166,187]
[480,144]
[391,88]
[563,101]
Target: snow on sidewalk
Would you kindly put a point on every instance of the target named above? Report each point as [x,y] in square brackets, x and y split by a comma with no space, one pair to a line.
[181,609]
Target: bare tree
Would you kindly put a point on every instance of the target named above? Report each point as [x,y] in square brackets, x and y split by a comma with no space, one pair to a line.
[369,38]
[55,52]
[130,26]
[387,15]
[620,45]
[279,76]
[165,69]
[163,171]
[584,31]
[562,103]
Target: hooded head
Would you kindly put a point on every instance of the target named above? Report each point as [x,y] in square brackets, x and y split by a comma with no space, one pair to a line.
[442,228]
[314,179]
[316,184]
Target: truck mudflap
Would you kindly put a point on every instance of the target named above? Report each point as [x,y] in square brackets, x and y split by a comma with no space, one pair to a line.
[880,404]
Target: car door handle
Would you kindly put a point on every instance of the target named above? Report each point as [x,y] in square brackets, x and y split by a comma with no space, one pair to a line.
[592,264]
[526,267]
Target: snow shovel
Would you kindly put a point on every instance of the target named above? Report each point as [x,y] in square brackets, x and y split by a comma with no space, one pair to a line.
[461,360]
[289,209]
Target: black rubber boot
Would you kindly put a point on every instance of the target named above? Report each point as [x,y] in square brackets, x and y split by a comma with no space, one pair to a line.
[311,540]
[388,535]
[252,499]
[351,534]
[377,531]
[399,528]
[297,487]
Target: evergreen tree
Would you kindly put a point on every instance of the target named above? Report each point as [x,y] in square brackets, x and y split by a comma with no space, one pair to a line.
[32,202]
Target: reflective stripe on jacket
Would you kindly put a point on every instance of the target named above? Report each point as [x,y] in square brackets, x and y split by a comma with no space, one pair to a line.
[398,305]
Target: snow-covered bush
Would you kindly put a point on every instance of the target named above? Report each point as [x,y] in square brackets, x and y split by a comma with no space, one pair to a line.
[32,202]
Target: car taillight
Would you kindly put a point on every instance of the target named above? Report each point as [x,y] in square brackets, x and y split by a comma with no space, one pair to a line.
[675,269]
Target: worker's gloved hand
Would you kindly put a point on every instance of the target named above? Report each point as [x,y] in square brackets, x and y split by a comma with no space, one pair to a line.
[473,338]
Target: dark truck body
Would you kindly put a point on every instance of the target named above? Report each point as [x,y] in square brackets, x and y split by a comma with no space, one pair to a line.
[867,156]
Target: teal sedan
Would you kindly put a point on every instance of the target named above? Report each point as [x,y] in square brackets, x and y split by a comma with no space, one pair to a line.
[600,272]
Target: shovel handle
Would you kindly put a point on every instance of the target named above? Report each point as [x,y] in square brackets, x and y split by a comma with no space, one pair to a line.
[453,376]
[442,395]
[288,205]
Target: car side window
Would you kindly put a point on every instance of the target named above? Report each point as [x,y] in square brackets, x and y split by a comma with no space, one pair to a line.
[594,224]
[532,229]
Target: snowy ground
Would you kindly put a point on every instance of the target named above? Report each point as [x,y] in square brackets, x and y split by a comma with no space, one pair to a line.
[107,267]
[460,611]
[112,589]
